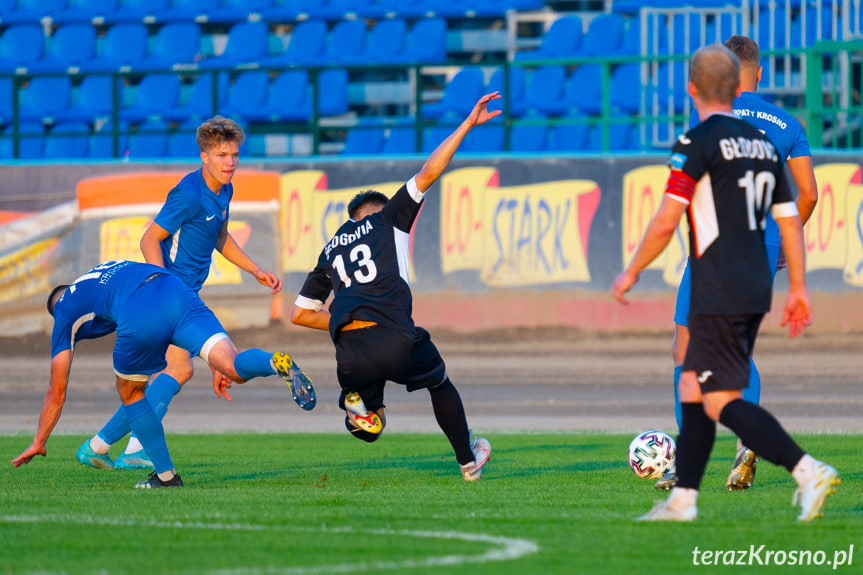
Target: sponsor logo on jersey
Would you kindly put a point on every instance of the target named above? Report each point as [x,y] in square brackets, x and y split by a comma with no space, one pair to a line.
[684,140]
[211,217]
[704,376]
[676,162]
[733,148]
[747,113]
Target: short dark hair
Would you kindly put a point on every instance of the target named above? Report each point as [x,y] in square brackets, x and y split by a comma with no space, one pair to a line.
[745,49]
[218,130]
[53,297]
[368,197]
[715,71]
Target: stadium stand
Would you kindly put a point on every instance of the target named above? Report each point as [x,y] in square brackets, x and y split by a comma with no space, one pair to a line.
[33,11]
[154,93]
[20,46]
[71,46]
[563,40]
[143,11]
[239,10]
[546,88]
[30,145]
[91,100]
[44,98]
[346,39]
[306,43]
[174,45]
[460,94]
[68,140]
[102,141]
[196,104]
[515,97]
[149,141]
[123,46]
[85,12]
[247,45]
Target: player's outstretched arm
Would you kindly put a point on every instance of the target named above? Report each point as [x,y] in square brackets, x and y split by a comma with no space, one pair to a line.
[52,407]
[797,313]
[441,157]
[151,244]
[659,233]
[231,250]
[807,187]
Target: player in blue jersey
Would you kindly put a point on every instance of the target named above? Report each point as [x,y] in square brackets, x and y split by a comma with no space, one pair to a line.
[149,308]
[190,225]
[365,266]
[787,135]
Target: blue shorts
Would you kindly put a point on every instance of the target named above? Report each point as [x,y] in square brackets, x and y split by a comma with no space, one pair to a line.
[162,311]
[771,242]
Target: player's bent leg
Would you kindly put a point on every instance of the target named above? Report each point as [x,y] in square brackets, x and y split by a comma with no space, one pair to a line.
[360,419]
[302,389]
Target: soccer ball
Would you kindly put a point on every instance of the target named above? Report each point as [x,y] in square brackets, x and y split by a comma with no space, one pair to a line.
[651,453]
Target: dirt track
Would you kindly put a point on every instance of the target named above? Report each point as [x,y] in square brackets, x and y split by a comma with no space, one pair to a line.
[550,379]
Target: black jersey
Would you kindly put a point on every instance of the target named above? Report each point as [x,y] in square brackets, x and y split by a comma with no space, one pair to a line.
[365,265]
[730,175]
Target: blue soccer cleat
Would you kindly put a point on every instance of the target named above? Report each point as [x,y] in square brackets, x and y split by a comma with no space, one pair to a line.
[86,456]
[301,386]
[137,460]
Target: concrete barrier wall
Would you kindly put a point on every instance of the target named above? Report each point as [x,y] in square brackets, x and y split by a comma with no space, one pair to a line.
[499,242]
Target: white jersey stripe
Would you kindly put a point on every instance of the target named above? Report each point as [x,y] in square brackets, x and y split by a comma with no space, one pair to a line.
[175,244]
[784,210]
[402,241]
[80,321]
[703,215]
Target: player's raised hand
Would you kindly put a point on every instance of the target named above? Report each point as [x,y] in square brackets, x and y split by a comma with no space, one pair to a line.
[622,284]
[797,313]
[480,114]
[29,454]
[270,280]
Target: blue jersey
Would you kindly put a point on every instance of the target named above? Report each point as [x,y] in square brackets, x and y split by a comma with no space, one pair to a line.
[194,215]
[89,307]
[790,141]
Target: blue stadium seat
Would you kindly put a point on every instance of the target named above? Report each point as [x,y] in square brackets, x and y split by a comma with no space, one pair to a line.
[657,38]
[102,142]
[149,141]
[778,33]
[247,44]
[307,43]
[678,93]
[584,89]
[385,42]
[124,46]
[346,39]
[91,101]
[137,11]
[485,139]
[176,43]
[20,46]
[182,142]
[154,94]
[45,97]
[626,88]
[287,99]
[400,140]
[515,97]
[604,35]
[366,139]
[529,138]
[246,95]
[5,100]
[30,146]
[433,135]
[679,35]
[199,104]
[7,7]
[239,10]
[460,94]
[546,89]
[71,46]
[618,138]
[188,11]
[33,11]
[292,10]
[720,30]
[426,41]
[339,9]
[85,11]
[68,140]
[799,39]
[569,137]
[562,40]
[497,9]
[333,92]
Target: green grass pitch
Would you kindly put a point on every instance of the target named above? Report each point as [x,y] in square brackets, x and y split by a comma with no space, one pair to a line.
[325,503]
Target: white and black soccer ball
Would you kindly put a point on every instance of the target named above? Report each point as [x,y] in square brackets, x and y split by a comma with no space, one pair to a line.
[651,453]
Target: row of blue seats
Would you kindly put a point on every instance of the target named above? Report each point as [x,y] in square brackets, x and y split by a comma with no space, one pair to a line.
[126,46]
[251,96]
[154,139]
[616,35]
[151,11]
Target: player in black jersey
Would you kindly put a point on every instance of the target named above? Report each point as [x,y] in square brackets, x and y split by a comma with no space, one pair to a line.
[728,175]
[365,265]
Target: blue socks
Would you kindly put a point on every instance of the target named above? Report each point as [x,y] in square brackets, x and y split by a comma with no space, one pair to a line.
[159,393]
[150,433]
[752,393]
[254,363]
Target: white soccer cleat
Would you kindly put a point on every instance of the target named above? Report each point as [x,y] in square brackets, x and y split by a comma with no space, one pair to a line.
[812,496]
[481,454]
[661,512]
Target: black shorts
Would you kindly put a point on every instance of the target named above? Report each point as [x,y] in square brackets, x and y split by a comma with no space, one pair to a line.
[719,350]
[367,358]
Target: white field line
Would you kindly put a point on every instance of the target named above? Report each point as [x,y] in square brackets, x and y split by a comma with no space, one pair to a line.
[497,548]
